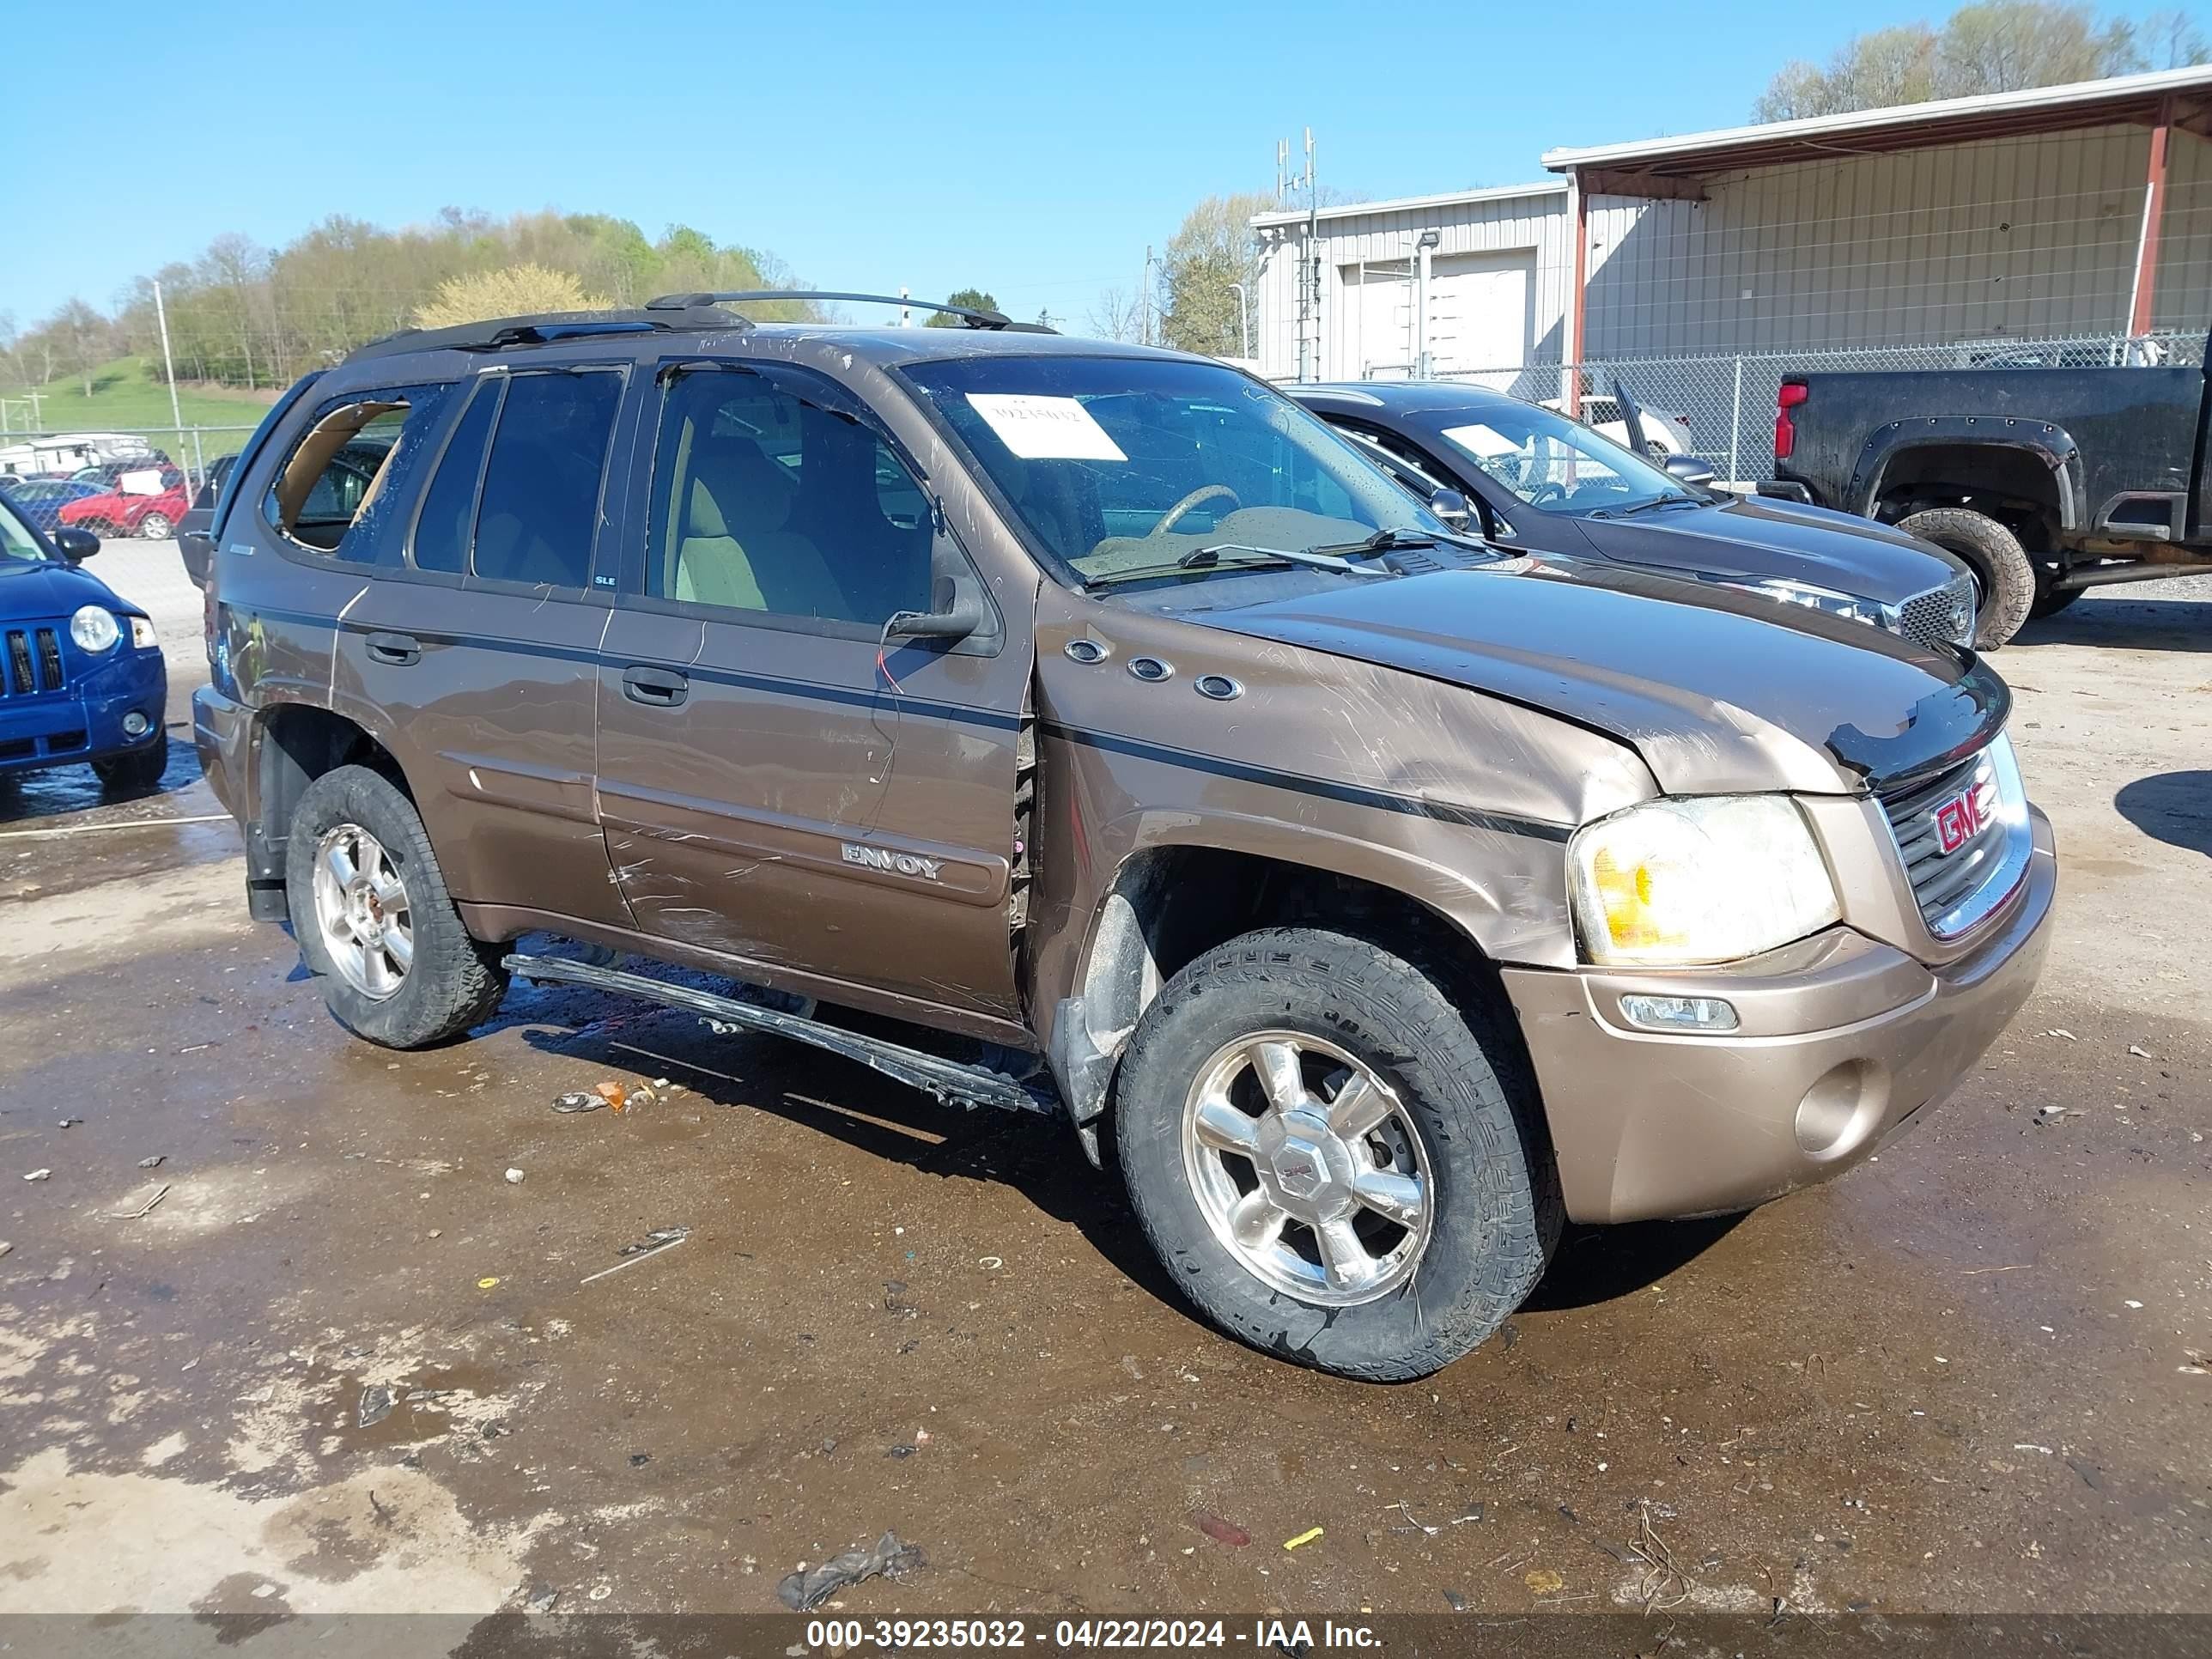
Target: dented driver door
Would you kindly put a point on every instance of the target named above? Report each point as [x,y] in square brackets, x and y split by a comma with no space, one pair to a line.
[776,784]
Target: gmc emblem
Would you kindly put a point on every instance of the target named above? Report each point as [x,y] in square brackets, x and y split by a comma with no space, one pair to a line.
[1958,821]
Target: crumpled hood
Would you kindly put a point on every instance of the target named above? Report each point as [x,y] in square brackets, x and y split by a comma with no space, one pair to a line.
[1718,691]
[1785,539]
[29,591]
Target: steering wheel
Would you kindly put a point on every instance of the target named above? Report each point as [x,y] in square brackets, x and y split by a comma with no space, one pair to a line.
[1203,493]
[1550,490]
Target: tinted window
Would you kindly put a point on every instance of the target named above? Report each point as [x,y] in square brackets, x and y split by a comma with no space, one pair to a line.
[346,479]
[541,489]
[764,501]
[441,534]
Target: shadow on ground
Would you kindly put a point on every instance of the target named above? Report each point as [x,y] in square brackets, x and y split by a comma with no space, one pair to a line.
[2171,806]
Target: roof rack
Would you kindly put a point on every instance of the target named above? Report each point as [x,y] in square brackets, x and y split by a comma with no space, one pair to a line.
[972,316]
[496,333]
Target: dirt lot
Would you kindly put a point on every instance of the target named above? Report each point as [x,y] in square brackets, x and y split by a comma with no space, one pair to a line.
[1971,1375]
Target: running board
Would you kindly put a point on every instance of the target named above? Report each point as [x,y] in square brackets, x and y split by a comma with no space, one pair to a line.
[948,1080]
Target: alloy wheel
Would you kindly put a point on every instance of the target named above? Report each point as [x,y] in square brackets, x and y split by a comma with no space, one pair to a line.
[361,908]
[1309,1168]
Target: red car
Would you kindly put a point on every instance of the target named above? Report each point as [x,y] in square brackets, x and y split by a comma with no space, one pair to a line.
[116,512]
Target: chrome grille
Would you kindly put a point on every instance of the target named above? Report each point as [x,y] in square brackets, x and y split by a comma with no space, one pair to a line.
[32,663]
[1987,810]
[1941,616]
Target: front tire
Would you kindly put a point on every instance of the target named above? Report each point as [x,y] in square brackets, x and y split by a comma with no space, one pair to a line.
[1319,1147]
[135,773]
[2001,566]
[374,919]
[155,527]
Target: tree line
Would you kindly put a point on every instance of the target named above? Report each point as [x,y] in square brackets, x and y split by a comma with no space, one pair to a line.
[246,316]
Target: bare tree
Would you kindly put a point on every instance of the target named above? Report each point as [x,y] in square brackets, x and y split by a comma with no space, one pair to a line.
[1994,45]
[1117,314]
[1213,251]
[2171,40]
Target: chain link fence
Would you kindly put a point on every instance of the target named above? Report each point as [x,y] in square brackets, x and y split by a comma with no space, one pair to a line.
[1722,406]
[116,482]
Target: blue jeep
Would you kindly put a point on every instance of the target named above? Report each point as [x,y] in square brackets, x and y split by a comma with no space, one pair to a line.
[80,676]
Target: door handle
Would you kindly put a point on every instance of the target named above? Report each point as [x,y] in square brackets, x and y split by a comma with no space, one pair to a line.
[400,650]
[657,688]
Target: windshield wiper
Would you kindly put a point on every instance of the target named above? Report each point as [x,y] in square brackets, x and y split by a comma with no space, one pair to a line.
[1634,507]
[1209,558]
[1394,537]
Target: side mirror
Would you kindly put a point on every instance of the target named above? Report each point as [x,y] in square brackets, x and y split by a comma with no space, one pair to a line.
[1451,507]
[1691,470]
[957,611]
[75,544]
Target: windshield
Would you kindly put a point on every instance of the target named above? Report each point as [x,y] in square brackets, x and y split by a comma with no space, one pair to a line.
[1117,465]
[1552,462]
[16,541]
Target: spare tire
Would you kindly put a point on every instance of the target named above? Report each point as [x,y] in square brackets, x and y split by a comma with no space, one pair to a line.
[2001,568]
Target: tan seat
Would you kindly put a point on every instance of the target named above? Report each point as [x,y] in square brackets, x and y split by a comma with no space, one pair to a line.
[733,550]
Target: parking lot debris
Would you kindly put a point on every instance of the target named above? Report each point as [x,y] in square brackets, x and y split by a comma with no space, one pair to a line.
[1303,1539]
[807,1590]
[900,1452]
[1219,1530]
[144,1208]
[541,1599]
[514,1177]
[1454,1601]
[375,1406]
[5,1246]
[2140,1052]
[658,1242]
[71,1122]
[1543,1580]
[155,1162]
[639,1459]
[578,1101]
[2047,1115]
[486,1283]
[2058,1032]
[39,1175]
[616,1094]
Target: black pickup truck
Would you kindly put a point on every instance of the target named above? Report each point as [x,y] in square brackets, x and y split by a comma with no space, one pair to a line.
[2045,481]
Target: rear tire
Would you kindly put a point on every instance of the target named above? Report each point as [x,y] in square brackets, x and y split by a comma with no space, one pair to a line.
[155,527]
[1450,1184]
[397,967]
[2000,567]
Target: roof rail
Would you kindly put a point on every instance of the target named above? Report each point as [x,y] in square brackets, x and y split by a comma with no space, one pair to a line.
[972,316]
[494,333]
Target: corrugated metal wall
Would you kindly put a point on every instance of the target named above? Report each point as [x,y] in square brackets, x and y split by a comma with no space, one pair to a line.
[2026,238]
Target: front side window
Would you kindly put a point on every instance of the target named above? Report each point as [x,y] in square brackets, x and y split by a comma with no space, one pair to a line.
[765,501]
[16,541]
[1122,464]
[539,512]
[334,494]
[1550,461]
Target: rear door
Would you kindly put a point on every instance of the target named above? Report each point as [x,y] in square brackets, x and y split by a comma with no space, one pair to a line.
[777,784]
[480,651]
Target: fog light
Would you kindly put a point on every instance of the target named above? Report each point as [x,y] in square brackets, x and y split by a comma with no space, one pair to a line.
[1680,1013]
[134,725]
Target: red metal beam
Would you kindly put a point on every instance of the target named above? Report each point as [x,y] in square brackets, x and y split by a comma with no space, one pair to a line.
[2146,284]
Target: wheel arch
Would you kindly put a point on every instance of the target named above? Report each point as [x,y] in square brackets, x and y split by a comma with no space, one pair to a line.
[295,743]
[2026,474]
[1171,902]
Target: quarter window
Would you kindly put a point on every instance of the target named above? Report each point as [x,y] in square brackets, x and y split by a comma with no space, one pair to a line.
[766,502]
[540,508]
[334,494]
[443,533]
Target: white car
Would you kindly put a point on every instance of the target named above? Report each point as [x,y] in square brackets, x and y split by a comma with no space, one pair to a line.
[1665,433]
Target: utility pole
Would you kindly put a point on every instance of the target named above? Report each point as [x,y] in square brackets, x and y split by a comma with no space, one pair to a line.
[1243,322]
[1144,301]
[168,364]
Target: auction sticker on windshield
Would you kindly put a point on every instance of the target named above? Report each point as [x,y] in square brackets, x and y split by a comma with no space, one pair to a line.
[1041,428]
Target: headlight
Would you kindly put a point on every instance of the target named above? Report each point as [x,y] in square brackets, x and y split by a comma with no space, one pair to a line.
[1697,878]
[94,629]
[1848,605]
[142,632]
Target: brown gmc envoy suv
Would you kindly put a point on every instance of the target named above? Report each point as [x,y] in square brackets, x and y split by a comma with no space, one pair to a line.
[1118,743]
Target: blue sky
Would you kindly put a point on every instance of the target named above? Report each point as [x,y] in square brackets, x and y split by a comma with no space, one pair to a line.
[1032,150]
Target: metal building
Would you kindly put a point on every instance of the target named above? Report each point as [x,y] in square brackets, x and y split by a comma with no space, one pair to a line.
[2008,228]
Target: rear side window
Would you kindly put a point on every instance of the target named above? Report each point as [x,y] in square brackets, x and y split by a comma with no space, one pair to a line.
[449,510]
[335,496]
[540,508]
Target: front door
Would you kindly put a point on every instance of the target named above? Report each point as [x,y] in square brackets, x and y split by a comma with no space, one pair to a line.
[776,784]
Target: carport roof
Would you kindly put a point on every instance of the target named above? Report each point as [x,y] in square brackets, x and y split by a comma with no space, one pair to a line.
[1669,165]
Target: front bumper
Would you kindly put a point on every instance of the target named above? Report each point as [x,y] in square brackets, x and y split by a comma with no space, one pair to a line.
[1842,1039]
[220,729]
[85,721]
